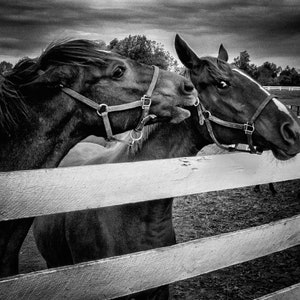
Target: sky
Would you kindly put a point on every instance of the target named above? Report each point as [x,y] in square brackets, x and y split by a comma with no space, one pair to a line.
[268,30]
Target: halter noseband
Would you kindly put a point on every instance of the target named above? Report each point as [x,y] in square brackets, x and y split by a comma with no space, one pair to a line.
[103,109]
[206,117]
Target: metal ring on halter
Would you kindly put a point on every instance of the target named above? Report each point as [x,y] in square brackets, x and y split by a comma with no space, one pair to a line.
[134,139]
[197,102]
[206,114]
[101,106]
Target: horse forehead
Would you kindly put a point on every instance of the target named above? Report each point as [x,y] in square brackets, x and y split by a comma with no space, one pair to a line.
[251,80]
[280,106]
[111,56]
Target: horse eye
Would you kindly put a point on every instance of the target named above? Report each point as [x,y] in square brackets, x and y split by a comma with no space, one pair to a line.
[118,72]
[223,85]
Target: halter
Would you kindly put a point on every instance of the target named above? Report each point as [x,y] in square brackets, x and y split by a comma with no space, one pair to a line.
[103,110]
[206,117]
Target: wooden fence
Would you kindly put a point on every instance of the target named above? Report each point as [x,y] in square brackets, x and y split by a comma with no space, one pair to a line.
[281,88]
[293,104]
[48,191]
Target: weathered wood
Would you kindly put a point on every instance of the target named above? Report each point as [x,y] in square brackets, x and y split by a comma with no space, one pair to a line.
[131,273]
[48,191]
[289,293]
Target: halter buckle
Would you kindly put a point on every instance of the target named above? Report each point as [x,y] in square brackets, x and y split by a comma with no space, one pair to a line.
[146,101]
[249,128]
[103,108]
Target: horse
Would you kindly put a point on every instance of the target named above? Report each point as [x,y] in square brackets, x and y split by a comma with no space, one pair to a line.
[227,96]
[73,90]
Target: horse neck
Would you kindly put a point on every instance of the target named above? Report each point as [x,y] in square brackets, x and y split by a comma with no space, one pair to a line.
[161,141]
[164,141]
[171,141]
[43,145]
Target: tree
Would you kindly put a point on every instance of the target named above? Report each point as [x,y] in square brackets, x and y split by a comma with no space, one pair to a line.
[243,63]
[289,76]
[5,66]
[267,73]
[143,50]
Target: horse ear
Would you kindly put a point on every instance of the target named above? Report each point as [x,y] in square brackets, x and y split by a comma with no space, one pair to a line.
[223,53]
[186,55]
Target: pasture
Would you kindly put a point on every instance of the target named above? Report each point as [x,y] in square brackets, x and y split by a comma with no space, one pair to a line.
[212,213]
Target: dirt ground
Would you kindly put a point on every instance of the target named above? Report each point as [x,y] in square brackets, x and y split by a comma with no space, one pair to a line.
[213,213]
[224,211]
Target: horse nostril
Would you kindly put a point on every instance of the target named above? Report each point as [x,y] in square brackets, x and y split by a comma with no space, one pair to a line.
[288,134]
[187,87]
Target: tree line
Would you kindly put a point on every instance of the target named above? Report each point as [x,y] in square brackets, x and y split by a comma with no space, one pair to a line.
[144,50]
[268,73]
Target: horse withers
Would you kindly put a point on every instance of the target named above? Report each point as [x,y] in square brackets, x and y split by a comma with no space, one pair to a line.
[73,90]
[228,95]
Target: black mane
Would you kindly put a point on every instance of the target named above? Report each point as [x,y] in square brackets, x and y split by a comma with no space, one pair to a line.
[14,108]
[214,70]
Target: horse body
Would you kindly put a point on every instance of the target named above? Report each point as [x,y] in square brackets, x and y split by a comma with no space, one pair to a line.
[40,121]
[98,233]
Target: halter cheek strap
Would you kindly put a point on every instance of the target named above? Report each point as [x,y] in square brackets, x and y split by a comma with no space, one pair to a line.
[206,117]
[103,109]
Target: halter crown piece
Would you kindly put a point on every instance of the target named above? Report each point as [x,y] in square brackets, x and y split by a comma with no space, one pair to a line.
[103,110]
[206,117]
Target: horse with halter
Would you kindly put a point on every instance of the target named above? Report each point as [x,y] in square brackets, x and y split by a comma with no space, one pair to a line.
[73,90]
[233,109]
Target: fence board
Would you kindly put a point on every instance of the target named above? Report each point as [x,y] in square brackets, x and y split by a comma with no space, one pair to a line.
[114,277]
[289,293]
[49,191]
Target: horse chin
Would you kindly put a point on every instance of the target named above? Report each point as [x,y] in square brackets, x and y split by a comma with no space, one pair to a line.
[282,155]
[179,114]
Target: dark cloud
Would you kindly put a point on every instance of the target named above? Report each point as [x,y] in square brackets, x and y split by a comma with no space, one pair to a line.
[264,28]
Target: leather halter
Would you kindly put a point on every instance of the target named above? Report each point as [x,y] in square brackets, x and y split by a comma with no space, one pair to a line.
[103,109]
[206,117]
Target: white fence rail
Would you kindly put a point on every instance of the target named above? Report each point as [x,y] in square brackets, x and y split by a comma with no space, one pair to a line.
[50,191]
[280,88]
[58,190]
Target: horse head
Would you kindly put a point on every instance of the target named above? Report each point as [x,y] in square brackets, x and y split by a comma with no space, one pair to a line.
[236,108]
[79,70]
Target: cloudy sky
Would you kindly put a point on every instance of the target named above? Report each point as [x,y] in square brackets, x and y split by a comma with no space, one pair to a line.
[268,30]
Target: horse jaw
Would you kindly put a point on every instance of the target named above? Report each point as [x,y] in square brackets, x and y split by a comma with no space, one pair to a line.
[179,114]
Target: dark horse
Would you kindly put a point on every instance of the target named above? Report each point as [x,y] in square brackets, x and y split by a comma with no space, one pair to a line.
[228,94]
[49,104]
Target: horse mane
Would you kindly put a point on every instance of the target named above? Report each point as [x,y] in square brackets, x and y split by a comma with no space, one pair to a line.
[14,108]
[214,70]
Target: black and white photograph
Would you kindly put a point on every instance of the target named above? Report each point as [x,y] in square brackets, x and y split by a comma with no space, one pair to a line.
[149,150]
